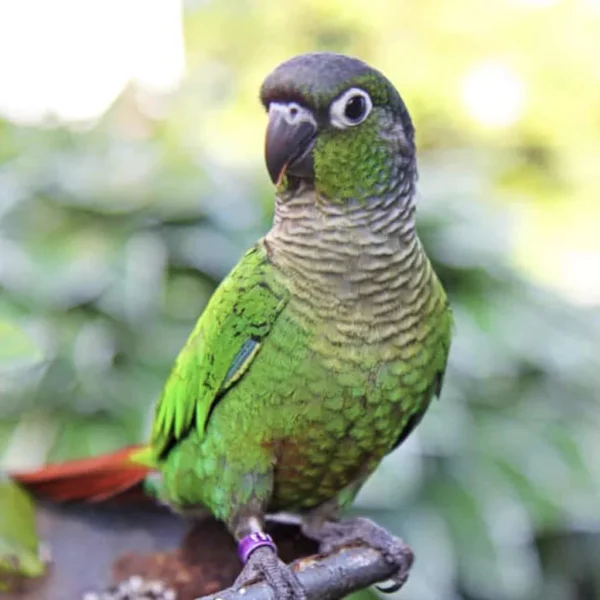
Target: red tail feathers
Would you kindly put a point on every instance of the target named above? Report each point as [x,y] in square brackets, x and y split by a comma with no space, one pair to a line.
[108,477]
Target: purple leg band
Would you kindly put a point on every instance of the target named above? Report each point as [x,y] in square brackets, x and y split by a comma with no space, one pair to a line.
[247,545]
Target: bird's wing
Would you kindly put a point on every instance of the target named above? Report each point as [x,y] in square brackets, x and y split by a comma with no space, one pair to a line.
[221,348]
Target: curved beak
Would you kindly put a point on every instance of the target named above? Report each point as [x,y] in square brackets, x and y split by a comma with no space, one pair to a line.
[289,142]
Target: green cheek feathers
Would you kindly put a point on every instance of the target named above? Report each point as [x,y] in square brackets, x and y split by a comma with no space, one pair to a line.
[351,163]
[282,184]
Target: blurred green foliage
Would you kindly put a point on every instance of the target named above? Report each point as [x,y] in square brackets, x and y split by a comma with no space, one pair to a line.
[112,239]
[19,544]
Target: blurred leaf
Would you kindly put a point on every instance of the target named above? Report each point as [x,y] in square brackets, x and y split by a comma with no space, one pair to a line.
[19,547]
[17,350]
[363,595]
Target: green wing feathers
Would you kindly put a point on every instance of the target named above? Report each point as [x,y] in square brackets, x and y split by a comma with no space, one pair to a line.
[220,349]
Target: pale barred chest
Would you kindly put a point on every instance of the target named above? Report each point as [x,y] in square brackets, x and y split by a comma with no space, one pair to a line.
[353,286]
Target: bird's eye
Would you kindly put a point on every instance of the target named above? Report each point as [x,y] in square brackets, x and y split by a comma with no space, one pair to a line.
[356,107]
[351,108]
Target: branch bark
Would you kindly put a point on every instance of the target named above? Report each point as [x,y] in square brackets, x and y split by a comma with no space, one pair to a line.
[324,578]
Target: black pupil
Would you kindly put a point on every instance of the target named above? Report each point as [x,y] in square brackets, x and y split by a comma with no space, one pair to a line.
[355,108]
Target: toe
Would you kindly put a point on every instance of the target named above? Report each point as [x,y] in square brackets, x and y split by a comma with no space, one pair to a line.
[264,563]
[402,557]
[286,586]
[335,535]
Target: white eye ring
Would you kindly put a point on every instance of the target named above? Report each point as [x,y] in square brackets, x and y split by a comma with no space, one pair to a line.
[350,109]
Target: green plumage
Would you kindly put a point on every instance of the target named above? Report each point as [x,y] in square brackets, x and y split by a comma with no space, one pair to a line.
[322,349]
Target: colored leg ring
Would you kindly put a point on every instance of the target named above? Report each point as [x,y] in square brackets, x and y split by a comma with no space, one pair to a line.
[247,545]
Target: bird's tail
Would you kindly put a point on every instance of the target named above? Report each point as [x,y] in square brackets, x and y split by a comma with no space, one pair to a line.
[117,476]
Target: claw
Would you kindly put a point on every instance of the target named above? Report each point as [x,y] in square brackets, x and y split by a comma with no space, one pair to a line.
[394,587]
[334,535]
[390,589]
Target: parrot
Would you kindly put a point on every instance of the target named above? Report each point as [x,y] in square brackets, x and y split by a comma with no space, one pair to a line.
[320,352]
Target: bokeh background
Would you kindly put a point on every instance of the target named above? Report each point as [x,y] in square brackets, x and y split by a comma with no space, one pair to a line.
[131,180]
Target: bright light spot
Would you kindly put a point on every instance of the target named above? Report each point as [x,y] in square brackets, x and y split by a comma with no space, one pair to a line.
[493,94]
[71,58]
[537,3]
[593,6]
[580,276]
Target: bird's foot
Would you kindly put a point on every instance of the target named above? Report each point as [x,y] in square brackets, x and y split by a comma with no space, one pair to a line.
[262,562]
[334,535]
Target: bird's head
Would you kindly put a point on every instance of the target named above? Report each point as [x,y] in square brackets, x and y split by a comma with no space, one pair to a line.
[338,124]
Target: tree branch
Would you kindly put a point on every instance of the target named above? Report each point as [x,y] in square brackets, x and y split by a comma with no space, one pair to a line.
[325,578]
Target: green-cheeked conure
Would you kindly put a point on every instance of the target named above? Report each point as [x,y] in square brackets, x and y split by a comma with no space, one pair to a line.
[321,350]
